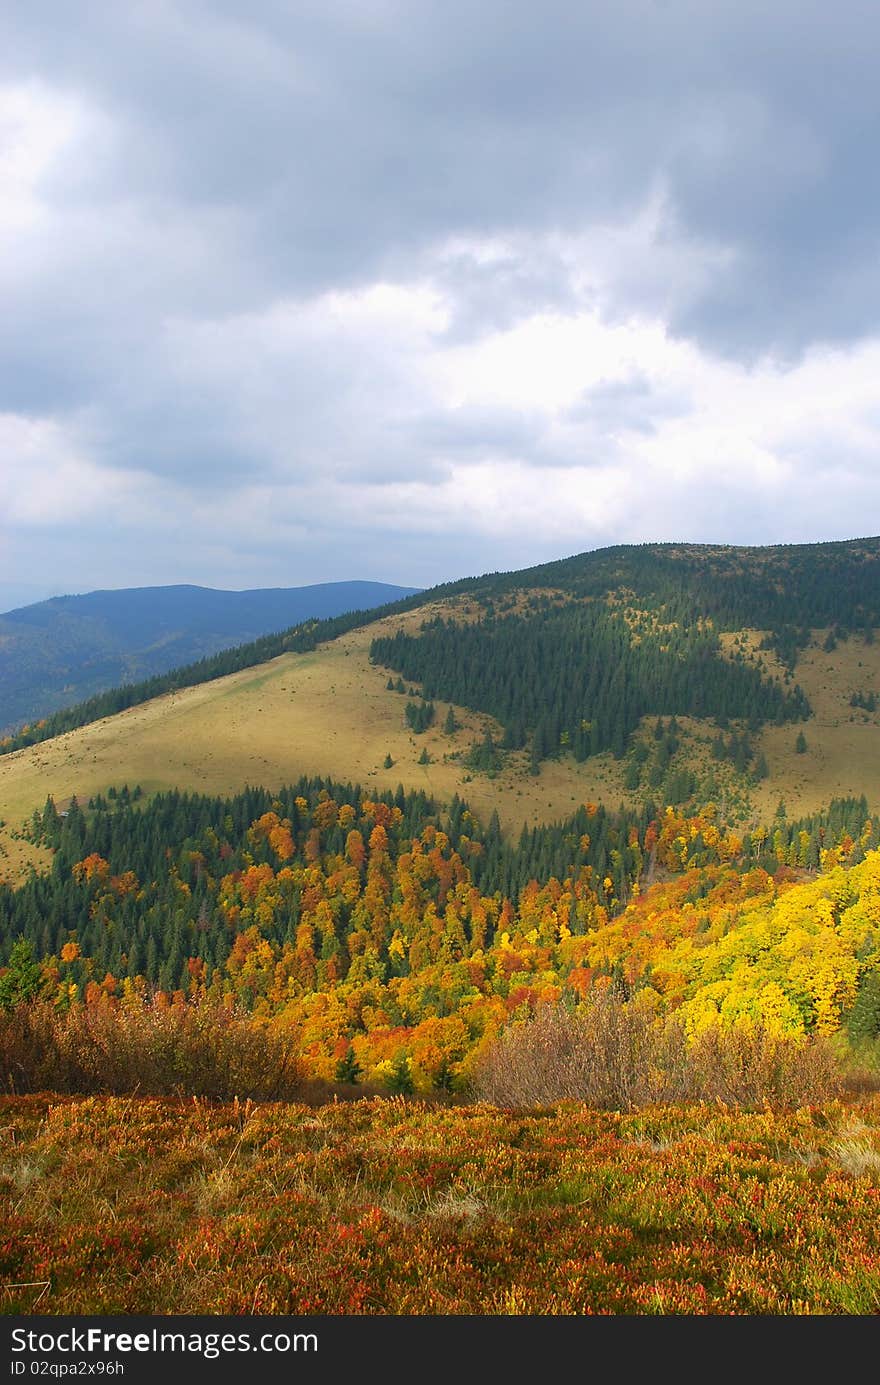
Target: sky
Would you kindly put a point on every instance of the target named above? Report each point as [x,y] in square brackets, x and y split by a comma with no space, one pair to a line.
[416,290]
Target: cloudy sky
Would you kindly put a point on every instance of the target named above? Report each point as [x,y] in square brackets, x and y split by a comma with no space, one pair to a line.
[413,289]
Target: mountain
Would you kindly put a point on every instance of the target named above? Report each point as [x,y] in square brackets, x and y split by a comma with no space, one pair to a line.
[677,673]
[651,768]
[62,651]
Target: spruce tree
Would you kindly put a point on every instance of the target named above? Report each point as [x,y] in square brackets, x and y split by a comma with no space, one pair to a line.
[864,1018]
[23,979]
[348,1069]
[400,1078]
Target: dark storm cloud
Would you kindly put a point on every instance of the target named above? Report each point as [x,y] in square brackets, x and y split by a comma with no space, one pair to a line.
[346,136]
[237,166]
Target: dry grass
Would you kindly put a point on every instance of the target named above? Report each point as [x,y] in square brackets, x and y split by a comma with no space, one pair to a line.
[857,1157]
[843,747]
[18,857]
[324,713]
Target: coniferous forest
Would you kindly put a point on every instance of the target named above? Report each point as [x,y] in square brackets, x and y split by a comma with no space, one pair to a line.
[578,677]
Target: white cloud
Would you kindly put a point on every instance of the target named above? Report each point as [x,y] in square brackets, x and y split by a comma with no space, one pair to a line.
[557,433]
[47,482]
[39,127]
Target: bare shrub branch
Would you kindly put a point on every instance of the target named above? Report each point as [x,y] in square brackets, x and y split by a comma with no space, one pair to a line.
[157,1050]
[616,1055]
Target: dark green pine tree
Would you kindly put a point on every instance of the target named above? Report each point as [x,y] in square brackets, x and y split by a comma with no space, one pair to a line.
[864,1018]
[400,1078]
[348,1069]
[23,980]
[742,755]
[633,776]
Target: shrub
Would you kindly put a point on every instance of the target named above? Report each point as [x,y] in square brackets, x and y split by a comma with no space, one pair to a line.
[199,1049]
[616,1055]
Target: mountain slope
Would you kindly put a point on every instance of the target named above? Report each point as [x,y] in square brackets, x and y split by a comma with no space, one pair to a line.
[330,712]
[59,652]
[693,591]
[312,700]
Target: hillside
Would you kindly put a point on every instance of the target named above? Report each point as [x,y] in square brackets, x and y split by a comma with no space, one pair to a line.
[630,607]
[331,712]
[330,706]
[393,921]
[59,652]
[527,701]
[313,878]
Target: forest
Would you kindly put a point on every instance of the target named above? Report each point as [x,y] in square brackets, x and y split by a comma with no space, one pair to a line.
[580,677]
[396,941]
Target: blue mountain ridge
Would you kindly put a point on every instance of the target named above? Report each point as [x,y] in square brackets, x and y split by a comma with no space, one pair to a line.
[58,652]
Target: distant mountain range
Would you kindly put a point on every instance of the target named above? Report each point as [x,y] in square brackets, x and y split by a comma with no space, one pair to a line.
[59,652]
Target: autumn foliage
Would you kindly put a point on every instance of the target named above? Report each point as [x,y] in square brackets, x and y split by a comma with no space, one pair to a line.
[109,1205]
[362,931]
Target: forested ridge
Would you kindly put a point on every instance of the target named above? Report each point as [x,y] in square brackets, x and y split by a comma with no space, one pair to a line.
[782,589]
[771,587]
